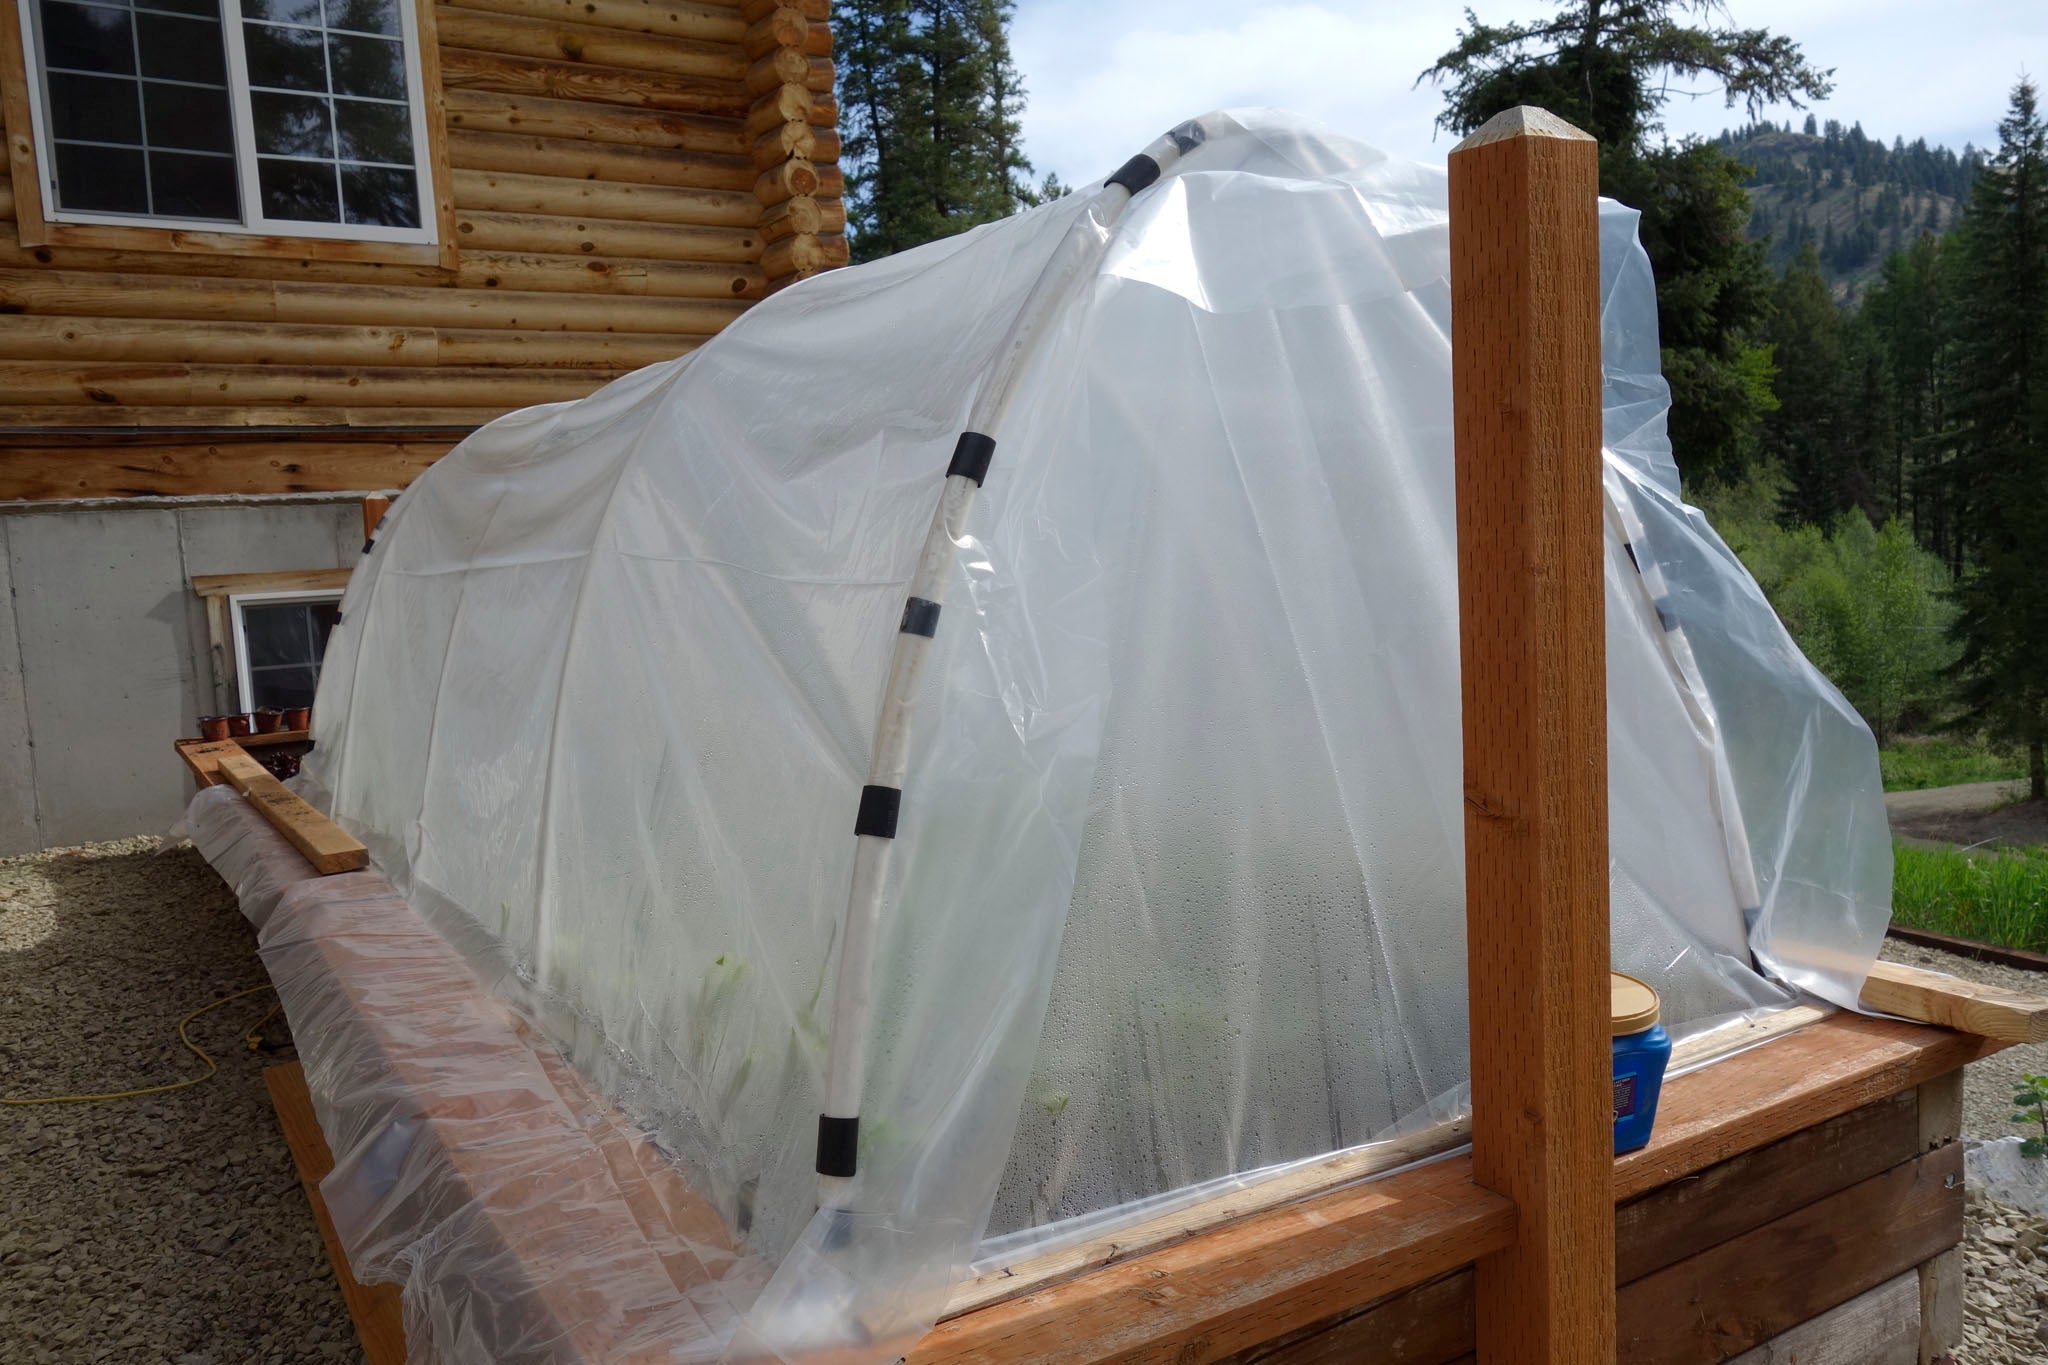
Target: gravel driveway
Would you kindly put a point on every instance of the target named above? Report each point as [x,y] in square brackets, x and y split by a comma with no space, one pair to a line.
[169,1228]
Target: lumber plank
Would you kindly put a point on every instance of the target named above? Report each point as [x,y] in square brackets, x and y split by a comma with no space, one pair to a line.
[284,580]
[1878,1327]
[1725,1200]
[326,845]
[375,1309]
[202,758]
[1525,363]
[1938,998]
[1246,1283]
[1430,1324]
[1750,1288]
[1796,1081]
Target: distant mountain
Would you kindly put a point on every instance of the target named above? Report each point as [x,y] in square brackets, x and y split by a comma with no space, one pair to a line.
[1854,198]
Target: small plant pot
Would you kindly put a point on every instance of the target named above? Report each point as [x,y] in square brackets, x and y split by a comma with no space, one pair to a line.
[298,717]
[269,720]
[213,727]
[238,724]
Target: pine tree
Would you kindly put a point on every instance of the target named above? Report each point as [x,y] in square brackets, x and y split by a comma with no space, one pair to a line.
[1607,66]
[1803,435]
[2001,465]
[929,99]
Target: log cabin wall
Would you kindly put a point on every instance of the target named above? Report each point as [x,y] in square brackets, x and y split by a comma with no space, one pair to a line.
[618,180]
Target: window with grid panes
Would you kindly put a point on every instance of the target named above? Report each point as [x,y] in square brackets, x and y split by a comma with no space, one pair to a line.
[291,117]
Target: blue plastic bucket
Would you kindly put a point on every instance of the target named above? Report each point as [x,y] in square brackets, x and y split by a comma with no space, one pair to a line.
[1641,1050]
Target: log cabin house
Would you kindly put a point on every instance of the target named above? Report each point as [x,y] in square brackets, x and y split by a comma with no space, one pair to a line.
[260,258]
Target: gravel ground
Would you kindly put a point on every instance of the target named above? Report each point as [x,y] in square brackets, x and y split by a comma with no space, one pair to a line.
[169,1228]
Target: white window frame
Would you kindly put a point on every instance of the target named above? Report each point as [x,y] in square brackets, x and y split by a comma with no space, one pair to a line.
[253,223]
[245,688]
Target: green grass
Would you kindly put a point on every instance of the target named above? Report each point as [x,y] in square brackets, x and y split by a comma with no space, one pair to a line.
[1913,763]
[1993,896]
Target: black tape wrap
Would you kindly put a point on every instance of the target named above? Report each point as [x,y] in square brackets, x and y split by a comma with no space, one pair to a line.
[369,545]
[1135,174]
[838,1145]
[972,454]
[878,807]
[920,617]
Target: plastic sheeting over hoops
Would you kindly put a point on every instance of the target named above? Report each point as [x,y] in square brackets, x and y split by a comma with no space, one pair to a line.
[1176,892]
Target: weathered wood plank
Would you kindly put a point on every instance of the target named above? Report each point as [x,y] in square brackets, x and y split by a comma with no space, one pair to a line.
[1878,1327]
[1525,360]
[1951,1002]
[1941,1307]
[1748,1289]
[1428,1325]
[375,1309]
[1732,1197]
[326,845]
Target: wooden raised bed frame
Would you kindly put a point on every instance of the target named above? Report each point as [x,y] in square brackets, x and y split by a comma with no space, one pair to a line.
[1800,1200]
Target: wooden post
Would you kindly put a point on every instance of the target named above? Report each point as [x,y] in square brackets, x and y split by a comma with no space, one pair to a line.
[374,508]
[1525,334]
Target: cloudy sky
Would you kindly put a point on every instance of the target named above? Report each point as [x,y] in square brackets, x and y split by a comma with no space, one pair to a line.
[1107,76]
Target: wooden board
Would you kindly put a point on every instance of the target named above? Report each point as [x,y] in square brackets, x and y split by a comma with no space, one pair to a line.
[326,845]
[1750,1288]
[1878,1327]
[1246,1283]
[1951,1002]
[379,1318]
[1428,1325]
[1525,364]
[202,756]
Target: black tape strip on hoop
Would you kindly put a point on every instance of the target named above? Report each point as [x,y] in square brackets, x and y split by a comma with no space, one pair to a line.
[920,617]
[838,1141]
[971,456]
[878,807]
[1135,174]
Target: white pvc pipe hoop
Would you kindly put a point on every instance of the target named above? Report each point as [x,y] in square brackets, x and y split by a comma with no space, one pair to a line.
[1073,261]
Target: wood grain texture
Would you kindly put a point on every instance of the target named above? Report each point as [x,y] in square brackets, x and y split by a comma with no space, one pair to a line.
[593,174]
[1748,1289]
[1430,1324]
[1878,1327]
[167,467]
[1941,1307]
[1246,1283]
[375,1309]
[1525,338]
[324,844]
[1937,998]
[1841,1063]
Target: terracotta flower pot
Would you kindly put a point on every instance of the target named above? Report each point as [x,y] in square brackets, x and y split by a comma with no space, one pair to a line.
[238,724]
[298,717]
[269,720]
[213,727]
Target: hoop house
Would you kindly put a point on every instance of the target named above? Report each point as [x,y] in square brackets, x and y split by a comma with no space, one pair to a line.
[1173,889]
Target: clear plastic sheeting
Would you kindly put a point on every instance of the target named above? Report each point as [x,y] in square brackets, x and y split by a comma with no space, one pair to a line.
[1176,894]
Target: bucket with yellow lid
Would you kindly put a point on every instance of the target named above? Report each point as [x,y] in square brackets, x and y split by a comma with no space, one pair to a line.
[1641,1049]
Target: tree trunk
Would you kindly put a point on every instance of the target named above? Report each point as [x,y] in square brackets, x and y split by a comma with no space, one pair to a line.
[2037,771]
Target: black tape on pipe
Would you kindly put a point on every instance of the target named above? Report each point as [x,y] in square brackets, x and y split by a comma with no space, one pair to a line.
[878,807]
[971,456]
[1135,174]
[920,617]
[838,1142]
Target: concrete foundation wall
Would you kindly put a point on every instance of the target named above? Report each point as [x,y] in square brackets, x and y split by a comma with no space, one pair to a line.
[104,656]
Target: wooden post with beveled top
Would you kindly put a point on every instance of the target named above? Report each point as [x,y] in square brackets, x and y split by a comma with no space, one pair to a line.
[1525,333]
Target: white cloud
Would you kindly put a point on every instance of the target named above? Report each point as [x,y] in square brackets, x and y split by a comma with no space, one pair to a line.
[1107,76]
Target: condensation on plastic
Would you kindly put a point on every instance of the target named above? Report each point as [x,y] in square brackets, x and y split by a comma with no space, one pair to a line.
[1178,885]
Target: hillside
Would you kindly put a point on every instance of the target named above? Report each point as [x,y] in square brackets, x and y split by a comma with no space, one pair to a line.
[1854,198]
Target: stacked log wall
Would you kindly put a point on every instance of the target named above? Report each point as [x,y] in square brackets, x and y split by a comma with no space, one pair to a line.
[622,179]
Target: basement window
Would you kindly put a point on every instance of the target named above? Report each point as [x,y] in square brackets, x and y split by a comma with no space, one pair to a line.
[295,117]
[279,640]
